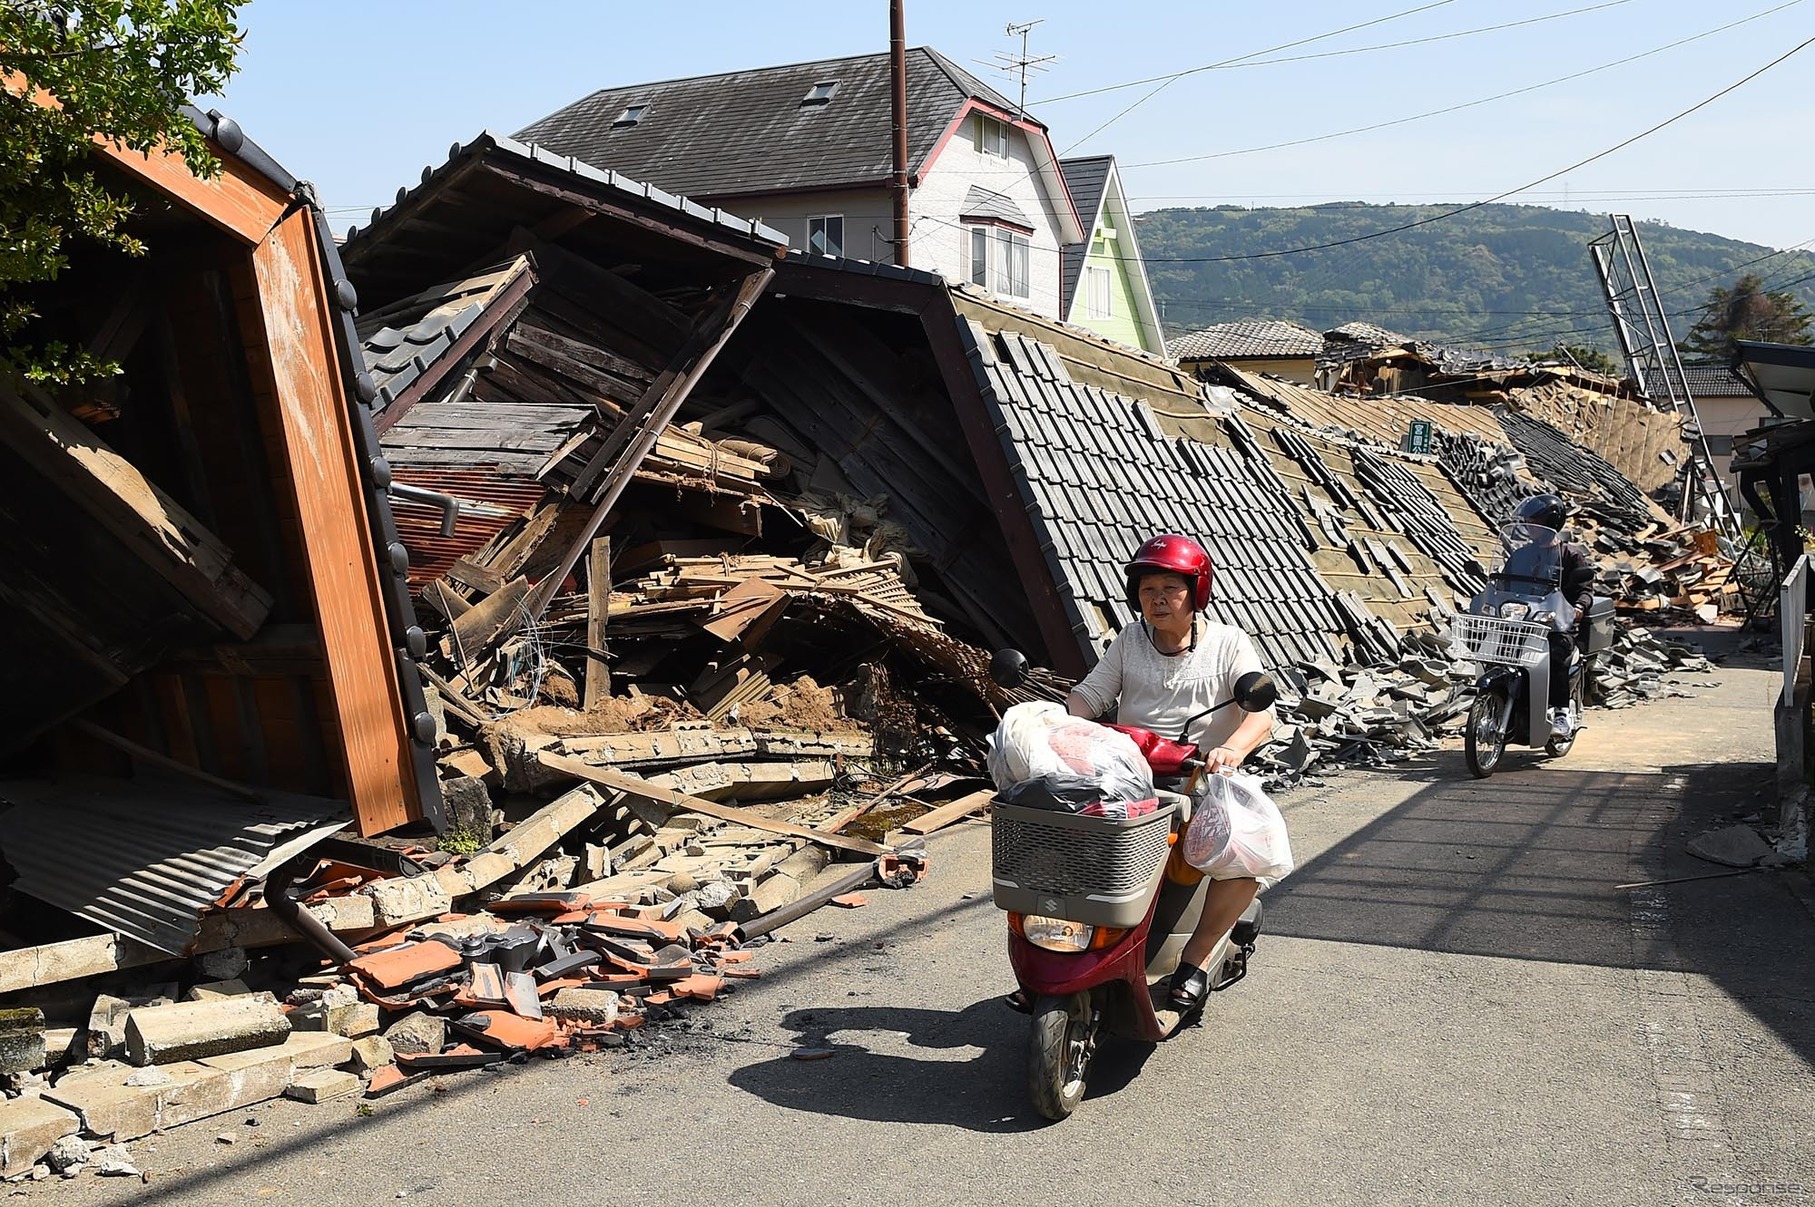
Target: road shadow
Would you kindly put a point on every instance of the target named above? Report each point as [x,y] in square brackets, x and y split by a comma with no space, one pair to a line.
[1540,863]
[985,1093]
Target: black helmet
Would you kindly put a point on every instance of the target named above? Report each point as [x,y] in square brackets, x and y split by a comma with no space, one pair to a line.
[1548,510]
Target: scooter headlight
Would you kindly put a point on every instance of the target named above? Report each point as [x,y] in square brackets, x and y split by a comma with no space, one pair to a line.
[1514,611]
[1056,934]
[1545,617]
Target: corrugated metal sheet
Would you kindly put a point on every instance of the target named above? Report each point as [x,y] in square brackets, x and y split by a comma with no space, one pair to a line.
[419,524]
[145,857]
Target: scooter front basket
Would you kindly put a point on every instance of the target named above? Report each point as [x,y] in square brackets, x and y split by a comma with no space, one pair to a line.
[1097,870]
[1504,642]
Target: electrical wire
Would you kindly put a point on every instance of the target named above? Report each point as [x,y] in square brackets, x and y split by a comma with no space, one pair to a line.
[1475,205]
[1400,121]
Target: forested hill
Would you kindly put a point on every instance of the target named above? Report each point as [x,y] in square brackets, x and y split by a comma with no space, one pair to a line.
[1511,277]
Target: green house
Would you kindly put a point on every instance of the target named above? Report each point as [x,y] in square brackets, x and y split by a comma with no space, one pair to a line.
[1105,286]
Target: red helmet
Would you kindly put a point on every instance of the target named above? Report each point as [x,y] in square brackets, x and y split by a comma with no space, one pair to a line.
[1171,554]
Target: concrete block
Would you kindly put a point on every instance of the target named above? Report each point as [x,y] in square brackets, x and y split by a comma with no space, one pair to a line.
[227,964]
[372,1052]
[107,1026]
[407,899]
[418,1034]
[107,1106]
[213,991]
[302,1050]
[593,1007]
[28,1129]
[166,1034]
[321,1085]
[22,1046]
[200,1091]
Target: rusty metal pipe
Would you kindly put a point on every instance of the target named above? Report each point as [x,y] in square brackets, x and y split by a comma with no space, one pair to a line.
[898,180]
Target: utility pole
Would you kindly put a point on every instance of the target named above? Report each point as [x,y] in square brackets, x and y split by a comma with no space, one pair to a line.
[898,178]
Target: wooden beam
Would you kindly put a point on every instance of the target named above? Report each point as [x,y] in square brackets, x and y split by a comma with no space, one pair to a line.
[636,786]
[653,413]
[945,815]
[296,365]
[598,605]
[143,518]
[495,617]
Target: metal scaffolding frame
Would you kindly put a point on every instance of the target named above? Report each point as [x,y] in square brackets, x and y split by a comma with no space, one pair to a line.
[1643,329]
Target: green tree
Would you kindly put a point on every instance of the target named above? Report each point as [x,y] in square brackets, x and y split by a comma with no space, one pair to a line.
[116,69]
[1747,311]
[1588,356]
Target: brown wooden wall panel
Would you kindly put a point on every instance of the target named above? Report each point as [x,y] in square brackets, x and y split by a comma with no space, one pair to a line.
[300,374]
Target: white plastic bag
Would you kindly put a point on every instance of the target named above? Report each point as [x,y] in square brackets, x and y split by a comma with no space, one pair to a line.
[1043,757]
[1236,830]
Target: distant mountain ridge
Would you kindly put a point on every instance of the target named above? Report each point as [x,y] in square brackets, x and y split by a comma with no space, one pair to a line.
[1510,278]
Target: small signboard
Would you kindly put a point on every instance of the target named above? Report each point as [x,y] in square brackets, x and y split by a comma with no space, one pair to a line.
[1418,438]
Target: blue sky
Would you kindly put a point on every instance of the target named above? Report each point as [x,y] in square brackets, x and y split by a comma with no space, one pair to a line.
[359,97]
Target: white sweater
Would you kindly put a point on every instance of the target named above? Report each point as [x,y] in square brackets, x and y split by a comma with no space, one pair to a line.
[1159,692]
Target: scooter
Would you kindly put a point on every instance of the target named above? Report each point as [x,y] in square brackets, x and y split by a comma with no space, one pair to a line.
[1506,632]
[1099,910]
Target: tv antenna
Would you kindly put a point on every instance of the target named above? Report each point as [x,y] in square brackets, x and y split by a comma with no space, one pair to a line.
[1019,67]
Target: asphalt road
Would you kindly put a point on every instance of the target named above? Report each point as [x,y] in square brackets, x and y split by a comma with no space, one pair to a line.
[1452,1004]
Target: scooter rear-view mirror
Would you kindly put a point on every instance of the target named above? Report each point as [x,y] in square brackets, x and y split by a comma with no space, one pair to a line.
[1256,692]
[1008,668]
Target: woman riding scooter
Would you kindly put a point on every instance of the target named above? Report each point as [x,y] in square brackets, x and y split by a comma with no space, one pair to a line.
[1542,517]
[1159,673]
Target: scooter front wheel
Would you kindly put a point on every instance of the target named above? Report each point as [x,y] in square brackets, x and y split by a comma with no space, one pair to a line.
[1485,739]
[1060,1045]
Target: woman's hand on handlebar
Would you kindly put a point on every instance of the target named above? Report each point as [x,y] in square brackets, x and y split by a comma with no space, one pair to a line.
[1220,758]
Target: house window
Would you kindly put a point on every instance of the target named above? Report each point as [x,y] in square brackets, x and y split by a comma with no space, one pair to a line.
[820,93]
[1096,294]
[825,235]
[991,136]
[999,260]
[631,116]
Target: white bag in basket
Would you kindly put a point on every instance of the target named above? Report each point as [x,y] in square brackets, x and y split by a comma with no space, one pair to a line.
[1237,831]
[1043,756]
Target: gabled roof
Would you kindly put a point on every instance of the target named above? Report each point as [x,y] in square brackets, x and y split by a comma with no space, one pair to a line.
[1249,338]
[746,132]
[1087,180]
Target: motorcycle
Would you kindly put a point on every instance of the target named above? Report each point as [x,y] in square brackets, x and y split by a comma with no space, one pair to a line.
[1506,633]
[1099,910]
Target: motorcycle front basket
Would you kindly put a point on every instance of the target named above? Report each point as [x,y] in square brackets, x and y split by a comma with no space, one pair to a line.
[1491,640]
[1097,870]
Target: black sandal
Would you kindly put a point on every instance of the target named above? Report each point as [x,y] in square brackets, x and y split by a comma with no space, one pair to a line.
[1190,986]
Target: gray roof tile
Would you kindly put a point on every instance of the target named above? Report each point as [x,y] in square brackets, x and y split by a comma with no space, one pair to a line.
[1249,338]
[746,132]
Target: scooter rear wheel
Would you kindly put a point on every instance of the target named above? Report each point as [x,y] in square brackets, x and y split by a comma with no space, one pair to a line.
[1060,1045]
[1485,739]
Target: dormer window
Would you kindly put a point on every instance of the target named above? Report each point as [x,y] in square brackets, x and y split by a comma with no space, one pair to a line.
[991,135]
[820,94]
[632,115]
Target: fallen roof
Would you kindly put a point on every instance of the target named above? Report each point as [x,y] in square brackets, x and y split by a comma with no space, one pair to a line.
[145,857]
[745,132]
[1250,338]
[490,187]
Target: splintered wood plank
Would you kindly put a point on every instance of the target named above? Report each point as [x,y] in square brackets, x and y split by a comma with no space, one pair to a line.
[598,607]
[636,786]
[300,372]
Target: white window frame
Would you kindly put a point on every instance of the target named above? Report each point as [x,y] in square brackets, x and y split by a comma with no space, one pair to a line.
[826,224]
[999,259]
[987,130]
[1097,291]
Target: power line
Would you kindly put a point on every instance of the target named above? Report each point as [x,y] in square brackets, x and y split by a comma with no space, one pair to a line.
[1475,205]
[1170,80]
[1400,121]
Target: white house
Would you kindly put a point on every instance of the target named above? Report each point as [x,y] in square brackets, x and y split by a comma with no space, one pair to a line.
[806,148]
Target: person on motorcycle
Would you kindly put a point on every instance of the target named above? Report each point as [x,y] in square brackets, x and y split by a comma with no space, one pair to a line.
[1159,673]
[1548,512]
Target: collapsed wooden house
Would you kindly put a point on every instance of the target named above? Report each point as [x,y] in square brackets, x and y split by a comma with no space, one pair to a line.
[201,554]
